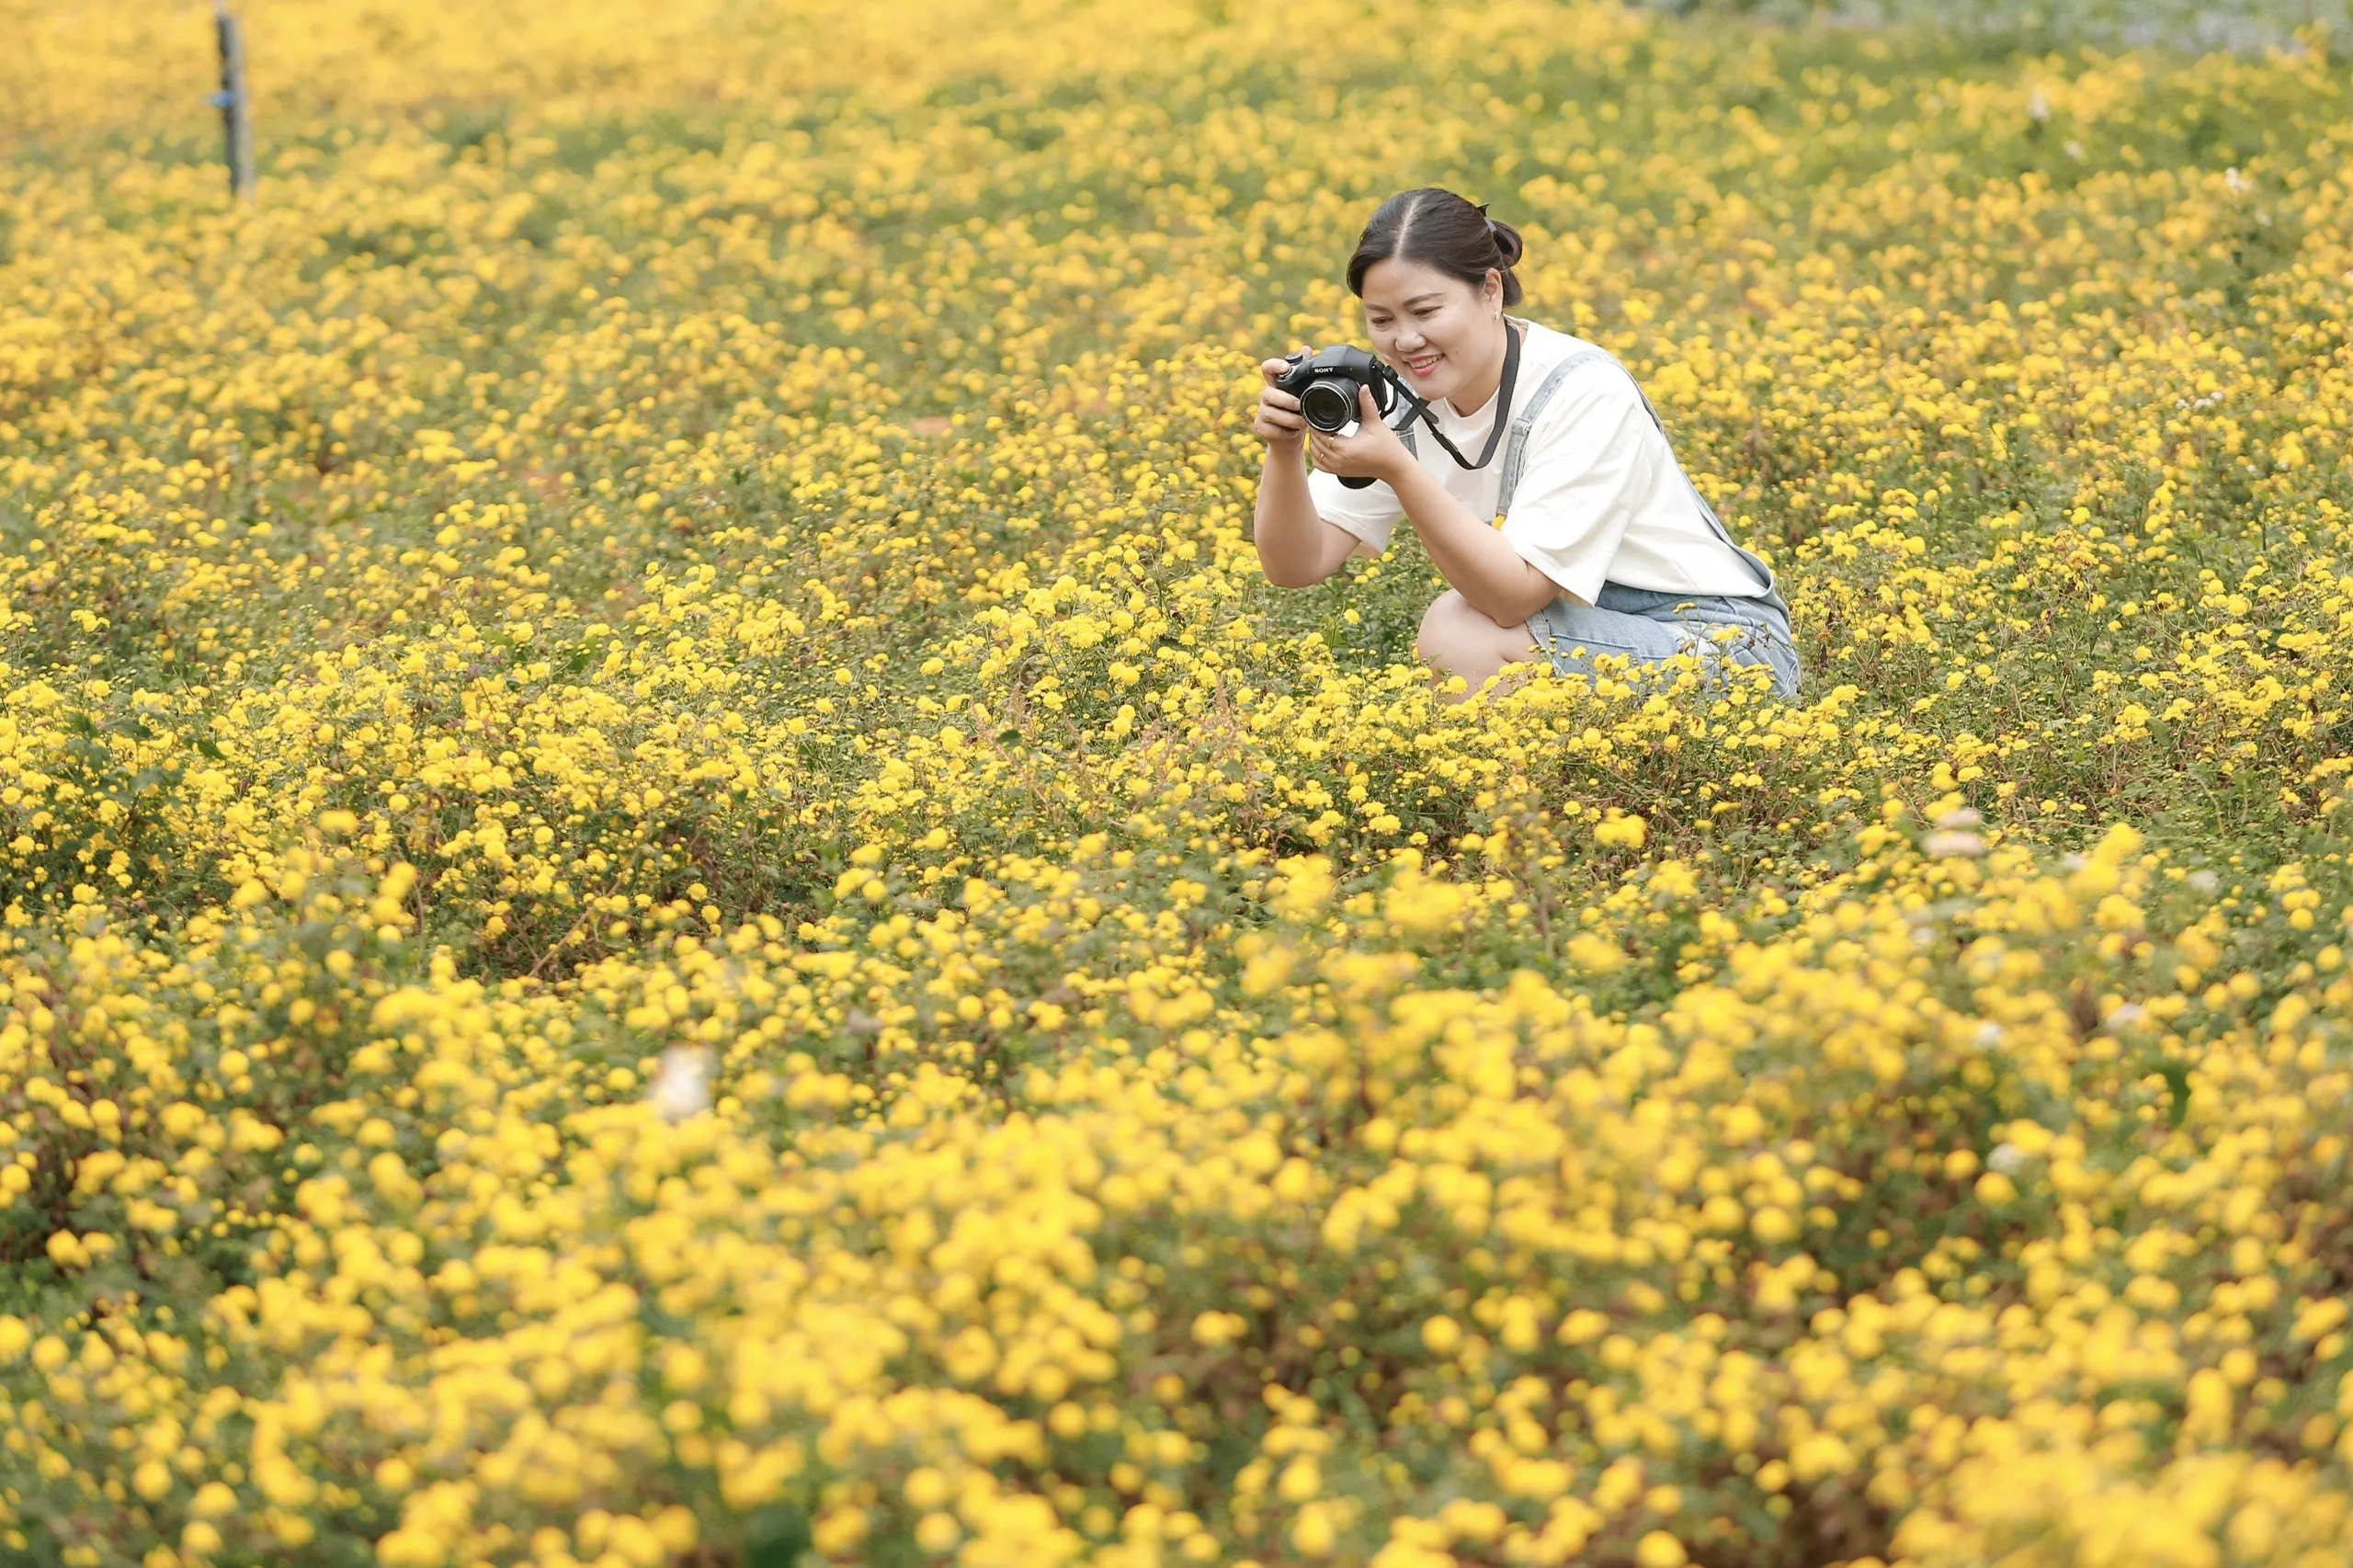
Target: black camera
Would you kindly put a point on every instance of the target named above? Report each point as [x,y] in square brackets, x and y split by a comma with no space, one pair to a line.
[1326,383]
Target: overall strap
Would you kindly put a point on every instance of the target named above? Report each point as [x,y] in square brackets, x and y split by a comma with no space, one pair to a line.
[1523,420]
[1515,457]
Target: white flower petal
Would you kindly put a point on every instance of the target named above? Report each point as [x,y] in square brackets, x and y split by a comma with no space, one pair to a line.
[682,1085]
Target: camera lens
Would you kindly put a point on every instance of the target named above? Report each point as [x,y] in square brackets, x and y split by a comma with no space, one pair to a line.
[1328,406]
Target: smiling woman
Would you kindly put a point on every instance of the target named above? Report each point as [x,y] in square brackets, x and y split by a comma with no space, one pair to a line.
[1605,548]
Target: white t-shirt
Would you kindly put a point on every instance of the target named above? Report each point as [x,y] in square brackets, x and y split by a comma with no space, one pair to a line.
[1600,497]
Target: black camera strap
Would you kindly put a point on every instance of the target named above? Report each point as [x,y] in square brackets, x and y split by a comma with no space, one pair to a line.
[1418,405]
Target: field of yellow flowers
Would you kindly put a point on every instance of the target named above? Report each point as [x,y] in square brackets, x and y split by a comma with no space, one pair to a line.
[670,895]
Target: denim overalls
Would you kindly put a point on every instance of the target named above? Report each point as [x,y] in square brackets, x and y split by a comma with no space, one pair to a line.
[1642,624]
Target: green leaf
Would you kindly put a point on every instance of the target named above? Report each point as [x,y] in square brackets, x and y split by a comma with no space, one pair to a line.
[776,1537]
[2177,1077]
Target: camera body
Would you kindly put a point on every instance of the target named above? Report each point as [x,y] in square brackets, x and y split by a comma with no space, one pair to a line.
[1326,383]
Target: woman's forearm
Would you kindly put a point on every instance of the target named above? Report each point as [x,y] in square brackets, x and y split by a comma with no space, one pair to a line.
[1475,558]
[1295,546]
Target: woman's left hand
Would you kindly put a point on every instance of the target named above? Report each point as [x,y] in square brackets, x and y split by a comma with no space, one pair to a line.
[1373,452]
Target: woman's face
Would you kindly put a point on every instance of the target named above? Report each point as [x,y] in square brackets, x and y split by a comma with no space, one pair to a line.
[1440,332]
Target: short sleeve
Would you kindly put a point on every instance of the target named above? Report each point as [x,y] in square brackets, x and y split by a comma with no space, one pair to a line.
[1593,458]
[1372,514]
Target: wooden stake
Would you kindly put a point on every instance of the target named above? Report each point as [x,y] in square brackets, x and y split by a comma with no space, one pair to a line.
[236,108]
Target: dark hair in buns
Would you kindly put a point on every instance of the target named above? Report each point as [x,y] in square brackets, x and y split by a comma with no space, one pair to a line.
[1442,229]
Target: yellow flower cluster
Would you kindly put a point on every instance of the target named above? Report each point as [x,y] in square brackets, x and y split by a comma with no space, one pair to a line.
[670,892]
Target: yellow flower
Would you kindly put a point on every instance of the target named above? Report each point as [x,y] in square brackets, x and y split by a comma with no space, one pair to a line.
[1660,1549]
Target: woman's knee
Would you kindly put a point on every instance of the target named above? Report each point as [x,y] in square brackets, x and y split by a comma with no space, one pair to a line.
[1460,639]
[1436,627]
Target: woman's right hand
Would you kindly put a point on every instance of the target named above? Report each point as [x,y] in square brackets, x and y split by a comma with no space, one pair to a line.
[1280,422]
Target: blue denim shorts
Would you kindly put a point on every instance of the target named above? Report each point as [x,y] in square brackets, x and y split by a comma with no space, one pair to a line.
[1644,627]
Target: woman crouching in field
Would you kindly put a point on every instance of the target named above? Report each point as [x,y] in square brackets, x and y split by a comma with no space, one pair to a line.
[1605,546]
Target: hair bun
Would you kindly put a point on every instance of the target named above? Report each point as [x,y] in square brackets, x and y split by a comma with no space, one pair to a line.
[1441,229]
[1510,247]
